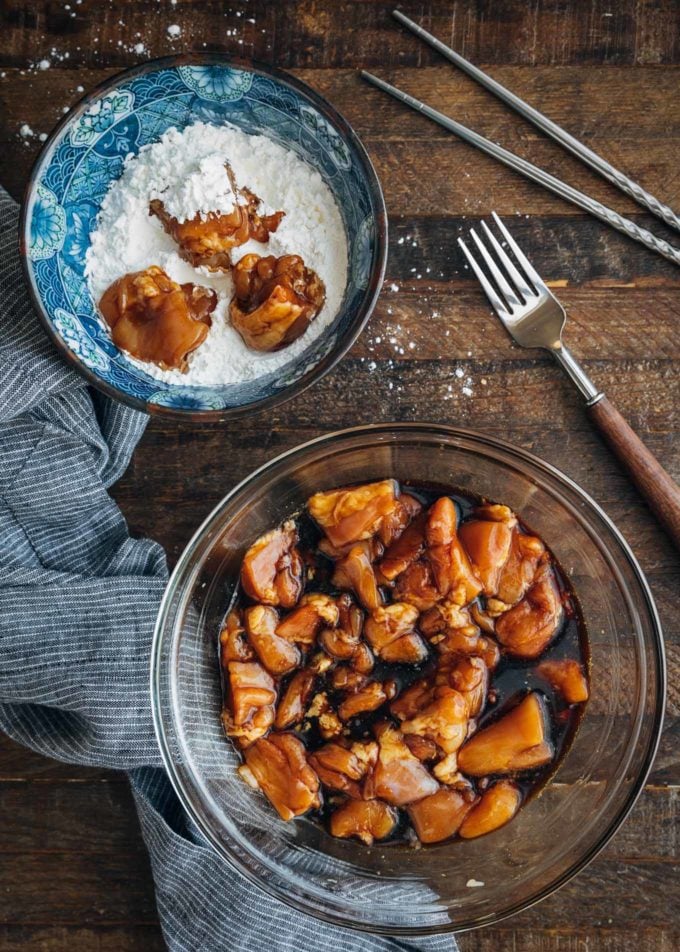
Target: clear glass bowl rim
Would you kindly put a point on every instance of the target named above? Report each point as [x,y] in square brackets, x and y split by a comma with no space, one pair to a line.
[476,440]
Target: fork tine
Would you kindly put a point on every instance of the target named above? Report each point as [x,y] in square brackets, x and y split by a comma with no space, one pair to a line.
[508,292]
[515,275]
[497,304]
[529,270]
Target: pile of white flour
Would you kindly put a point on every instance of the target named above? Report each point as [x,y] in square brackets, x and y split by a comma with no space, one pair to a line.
[186,171]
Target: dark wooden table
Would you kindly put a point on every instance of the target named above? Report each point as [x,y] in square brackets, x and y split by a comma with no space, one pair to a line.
[73,872]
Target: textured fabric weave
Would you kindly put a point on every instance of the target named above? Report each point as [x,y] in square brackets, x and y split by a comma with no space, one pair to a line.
[78,601]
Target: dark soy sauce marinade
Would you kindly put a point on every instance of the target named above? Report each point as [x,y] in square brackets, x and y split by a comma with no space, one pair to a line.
[510,682]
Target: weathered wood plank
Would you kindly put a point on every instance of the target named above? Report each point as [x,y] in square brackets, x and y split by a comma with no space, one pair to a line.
[610,939]
[517,400]
[76,889]
[609,892]
[610,324]
[128,938]
[303,34]
[148,939]
[666,768]
[86,817]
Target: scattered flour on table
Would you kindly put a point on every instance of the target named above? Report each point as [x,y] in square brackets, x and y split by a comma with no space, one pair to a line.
[186,171]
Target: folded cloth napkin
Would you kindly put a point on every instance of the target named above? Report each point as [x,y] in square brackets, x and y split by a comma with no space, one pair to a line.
[78,601]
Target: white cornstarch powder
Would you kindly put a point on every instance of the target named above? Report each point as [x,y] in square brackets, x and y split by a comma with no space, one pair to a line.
[186,171]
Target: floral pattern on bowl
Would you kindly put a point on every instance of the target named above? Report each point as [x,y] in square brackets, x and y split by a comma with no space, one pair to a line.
[101,116]
[87,153]
[216,83]
[48,225]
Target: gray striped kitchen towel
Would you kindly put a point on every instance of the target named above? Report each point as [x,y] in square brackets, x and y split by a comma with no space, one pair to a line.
[78,600]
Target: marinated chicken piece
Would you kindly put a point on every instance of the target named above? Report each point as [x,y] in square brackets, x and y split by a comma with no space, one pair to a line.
[398,776]
[489,652]
[388,623]
[416,586]
[339,768]
[355,572]
[348,680]
[363,661]
[527,629]
[495,608]
[520,568]
[303,623]
[343,641]
[470,677]
[440,815]
[320,663]
[338,643]
[406,508]
[271,572]
[443,617]
[279,765]
[275,300]
[277,655]
[375,549]
[422,748]
[567,677]
[443,720]
[493,512]
[354,514]
[330,725]
[350,677]
[207,241]
[260,226]
[453,574]
[412,700]
[464,640]
[155,319]
[446,771]
[488,546]
[517,741]
[293,705]
[406,549]
[328,722]
[369,820]
[350,616]
[366,752]
[233,642]
[250,698]
[368,698]
[498,805]
[409,649]
[482,619]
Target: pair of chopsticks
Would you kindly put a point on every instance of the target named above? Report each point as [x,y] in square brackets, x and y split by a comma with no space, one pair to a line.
[533,172]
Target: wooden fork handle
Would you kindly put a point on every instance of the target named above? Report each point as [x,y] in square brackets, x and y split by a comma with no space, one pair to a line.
[661,493]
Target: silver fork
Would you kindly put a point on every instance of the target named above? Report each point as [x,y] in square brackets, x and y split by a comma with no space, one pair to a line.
[534,317]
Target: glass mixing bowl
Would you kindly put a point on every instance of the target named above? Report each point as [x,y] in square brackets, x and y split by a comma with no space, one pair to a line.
[394,889]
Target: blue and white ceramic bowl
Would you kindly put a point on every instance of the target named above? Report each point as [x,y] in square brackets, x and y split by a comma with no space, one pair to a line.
[85,154]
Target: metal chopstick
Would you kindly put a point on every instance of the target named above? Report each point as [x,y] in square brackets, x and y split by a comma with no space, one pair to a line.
[534,173]
[551,128]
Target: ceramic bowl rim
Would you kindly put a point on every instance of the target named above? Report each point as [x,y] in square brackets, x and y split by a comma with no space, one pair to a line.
[376,272]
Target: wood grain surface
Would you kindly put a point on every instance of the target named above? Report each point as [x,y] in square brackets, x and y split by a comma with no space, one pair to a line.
[74,876]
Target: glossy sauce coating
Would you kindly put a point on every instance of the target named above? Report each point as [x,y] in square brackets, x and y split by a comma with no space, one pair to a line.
[418,718]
